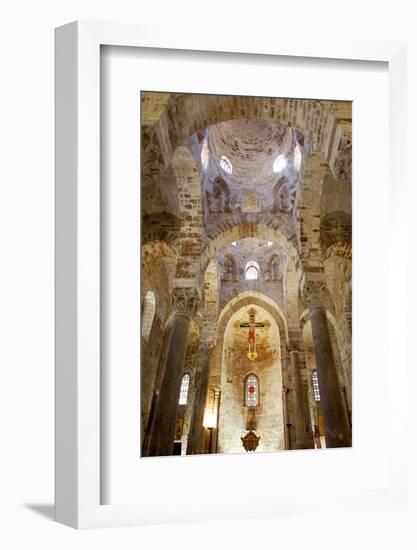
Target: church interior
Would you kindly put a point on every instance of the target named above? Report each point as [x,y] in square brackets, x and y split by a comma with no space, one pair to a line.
[246,274]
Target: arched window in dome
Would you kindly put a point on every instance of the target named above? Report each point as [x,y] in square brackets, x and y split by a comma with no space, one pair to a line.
[251,390]
[204,155]
[315,384]
[279,164]
[185,384]
[298,157]
[148,313]
[226,165]
[252,271]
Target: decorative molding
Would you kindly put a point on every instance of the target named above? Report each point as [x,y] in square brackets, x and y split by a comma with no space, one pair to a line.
[293,345]
[185,300]
[314,292]
[207,348]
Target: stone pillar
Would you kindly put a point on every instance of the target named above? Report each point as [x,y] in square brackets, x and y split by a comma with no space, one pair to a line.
[336,426]
[195,443]
[300,425]
[162,436]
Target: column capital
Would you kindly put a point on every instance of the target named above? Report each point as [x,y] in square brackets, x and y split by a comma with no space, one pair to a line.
[206,349]
[293,345]
[314,292]
[185,300]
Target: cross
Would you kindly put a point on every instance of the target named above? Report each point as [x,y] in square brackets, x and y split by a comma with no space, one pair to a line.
[252,324]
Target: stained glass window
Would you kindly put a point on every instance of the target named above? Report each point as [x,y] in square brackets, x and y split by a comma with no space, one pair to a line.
[184,389]
[251,391]
[316,389]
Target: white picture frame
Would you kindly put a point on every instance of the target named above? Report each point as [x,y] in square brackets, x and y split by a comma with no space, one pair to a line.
[78,406]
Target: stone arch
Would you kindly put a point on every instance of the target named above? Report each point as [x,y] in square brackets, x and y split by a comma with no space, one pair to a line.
[275,361]
[158,265]
[264,231]
[322,122]
[255,298]
[323,214]
[159,261]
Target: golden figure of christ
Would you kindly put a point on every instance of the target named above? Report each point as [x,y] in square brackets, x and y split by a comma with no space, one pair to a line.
[252,325]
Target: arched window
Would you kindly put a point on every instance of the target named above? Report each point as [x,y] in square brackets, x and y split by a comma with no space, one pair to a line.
[204,155]
[252,271]
[251,390]
[279,164]
[315,383]
[185,384]
[298,157]
[226,165]
[148,313]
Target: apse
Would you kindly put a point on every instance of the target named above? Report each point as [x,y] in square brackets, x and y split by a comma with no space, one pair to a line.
[262,360]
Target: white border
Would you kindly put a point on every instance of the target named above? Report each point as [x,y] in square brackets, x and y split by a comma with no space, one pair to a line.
[125,478]
[78,259]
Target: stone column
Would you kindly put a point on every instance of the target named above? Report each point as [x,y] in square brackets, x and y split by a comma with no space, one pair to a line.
[162,437]
[301,439]
[335,423]
[196,435]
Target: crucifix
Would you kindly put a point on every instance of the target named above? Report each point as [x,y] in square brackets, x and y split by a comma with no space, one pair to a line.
[252,324]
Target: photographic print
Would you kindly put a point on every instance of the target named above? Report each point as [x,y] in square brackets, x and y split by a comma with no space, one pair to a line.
[246,274]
